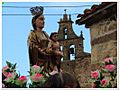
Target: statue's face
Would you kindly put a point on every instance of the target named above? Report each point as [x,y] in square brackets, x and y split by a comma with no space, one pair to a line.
[40,22]
[55,37]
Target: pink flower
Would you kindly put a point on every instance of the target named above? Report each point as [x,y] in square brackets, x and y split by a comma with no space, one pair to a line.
[110,67]
[107,60]
[10,75]
[22,78]
[4,70]
[36,77]
[104,82]
[95,74]
[36,68]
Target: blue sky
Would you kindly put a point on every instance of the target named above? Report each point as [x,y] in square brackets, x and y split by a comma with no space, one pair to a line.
[15,29]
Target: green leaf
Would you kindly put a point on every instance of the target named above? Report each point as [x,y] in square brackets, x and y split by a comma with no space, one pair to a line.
[8,70]
[28,72]
[2,2]
[101,76]
[8,64]
[40,70]
[110,62]
[106,63]
[32,71]
[109,85]
[9,80]
[111,74]
[91,80]
[98,84]
[104,70]
[14,66]
[18,74]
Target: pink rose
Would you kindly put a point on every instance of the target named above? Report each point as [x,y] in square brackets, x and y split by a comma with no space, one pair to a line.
[104,82]
[107,60]
[95,74]
[36,68]
[4,70]
[36,77]
[22,78]
[10,76]
[110,67]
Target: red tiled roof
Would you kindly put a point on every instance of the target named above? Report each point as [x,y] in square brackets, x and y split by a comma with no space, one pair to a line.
[93,9]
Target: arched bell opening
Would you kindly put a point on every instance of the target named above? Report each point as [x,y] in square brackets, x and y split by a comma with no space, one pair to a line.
[65,34]
[72,52]
[61,49]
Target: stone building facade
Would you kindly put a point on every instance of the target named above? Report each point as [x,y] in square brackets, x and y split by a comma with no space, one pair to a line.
[102,22]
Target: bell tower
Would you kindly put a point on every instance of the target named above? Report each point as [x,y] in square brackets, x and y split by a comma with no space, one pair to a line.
[70,43]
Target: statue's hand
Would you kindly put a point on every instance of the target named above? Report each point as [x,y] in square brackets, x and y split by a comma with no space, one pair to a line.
[58,53]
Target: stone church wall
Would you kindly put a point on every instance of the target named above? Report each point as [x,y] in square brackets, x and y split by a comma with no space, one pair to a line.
[68,66]
[82,72]
[103,40]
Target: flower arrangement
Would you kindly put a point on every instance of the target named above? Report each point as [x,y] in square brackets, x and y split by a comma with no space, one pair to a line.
[37,76]
[10,79]
[98,77]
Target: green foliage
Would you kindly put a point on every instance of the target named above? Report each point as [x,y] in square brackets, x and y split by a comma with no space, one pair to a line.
[14,66]
[9,64]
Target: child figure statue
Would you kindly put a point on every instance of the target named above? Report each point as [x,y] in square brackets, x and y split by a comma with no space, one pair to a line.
[54,49]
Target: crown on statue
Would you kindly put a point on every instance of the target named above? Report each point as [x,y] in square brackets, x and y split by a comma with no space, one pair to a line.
[38,10]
